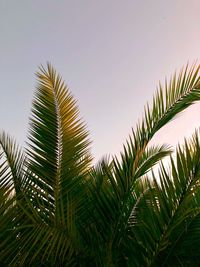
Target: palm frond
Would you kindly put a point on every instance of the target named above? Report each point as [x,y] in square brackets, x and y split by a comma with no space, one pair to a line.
[58,140]
[11,164]
[181,92]
[12,177]
[58,162]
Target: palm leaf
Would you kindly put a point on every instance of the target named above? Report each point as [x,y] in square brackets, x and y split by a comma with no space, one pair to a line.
[58,161]
[12,172]
[11,164]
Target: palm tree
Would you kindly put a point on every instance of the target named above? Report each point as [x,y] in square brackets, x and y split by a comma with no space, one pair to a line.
[57,209]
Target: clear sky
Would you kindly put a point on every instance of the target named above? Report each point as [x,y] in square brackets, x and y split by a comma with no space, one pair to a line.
[111,54]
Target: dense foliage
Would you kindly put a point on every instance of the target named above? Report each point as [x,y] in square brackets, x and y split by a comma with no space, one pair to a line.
[56,209]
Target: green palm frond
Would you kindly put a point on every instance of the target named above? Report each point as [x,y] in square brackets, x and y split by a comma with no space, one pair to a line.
[181,92]
[12,171]
[11,164]
[58,138]
[57,164]
[59,145]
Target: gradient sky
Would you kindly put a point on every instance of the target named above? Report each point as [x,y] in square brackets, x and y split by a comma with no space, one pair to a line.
[111,54]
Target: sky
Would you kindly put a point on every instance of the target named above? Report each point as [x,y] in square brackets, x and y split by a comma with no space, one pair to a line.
[111,54]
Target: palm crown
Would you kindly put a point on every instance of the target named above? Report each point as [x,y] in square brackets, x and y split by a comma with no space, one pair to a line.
[57,209]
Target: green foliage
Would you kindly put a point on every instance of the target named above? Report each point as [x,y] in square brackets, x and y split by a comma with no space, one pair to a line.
[56,209]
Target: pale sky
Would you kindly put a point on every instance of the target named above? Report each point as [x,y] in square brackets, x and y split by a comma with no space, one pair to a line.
[111,54]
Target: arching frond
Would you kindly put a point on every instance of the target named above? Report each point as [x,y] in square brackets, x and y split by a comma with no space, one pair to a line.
[11,164]
[182,91]
[58,161]
[12,171]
